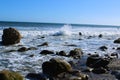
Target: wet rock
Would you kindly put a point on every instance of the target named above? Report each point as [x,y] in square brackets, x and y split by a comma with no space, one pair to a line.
[89,37]
[10,75]
[117,40]
[94,55]
[76,53]
[97,62]
[80,39]
[115,55]
[55,67]
[62,53]
[7,51]
[80,33]
[99,70]
[73,75]
[43,37]
[35,76]
[103,48]
[72,45]
[72,63]
[116,73]
[45,52]
[100,35]
[22,49]
[87,70]
[10,36]
[113,48]
[32,48]
[32,55]
[118,48]
[43,44]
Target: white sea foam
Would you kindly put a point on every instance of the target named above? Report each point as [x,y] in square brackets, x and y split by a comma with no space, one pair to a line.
[63,35]
[68,30]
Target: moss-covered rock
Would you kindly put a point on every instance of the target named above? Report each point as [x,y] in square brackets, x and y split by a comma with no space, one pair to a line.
[10,75]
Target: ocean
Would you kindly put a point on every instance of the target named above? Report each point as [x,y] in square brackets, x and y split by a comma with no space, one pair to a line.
[59,37]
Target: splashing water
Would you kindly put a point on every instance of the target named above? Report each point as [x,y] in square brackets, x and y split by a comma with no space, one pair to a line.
[66,30]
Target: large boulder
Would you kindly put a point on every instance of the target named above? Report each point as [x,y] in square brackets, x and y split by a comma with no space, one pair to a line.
[76,53]
[55,66]
[10,75]
[10,36]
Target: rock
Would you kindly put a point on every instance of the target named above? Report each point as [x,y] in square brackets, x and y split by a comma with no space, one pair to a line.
[22,49]
[113,48]
[100,35]
[94,55]
[117,40]
[72,45]
[116,73]
[43,44]
[35,76]
[55,67]
[10,36]
[72,63]
[62,53]
[76,53]
[80,33]
[32,48]
[32,55]
[97,62]
[103,48]
[7,51]
[10,75]
[115,55]
[73,75]
[99,70]
[87,70]
[118,48]
[45,52]
[89,37]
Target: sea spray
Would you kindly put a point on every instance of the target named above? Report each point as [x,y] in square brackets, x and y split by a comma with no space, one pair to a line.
[66,30]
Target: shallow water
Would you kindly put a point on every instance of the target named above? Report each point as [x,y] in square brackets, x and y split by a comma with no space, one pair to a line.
[58,38]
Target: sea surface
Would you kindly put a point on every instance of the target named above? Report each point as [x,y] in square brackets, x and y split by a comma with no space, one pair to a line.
[59,37]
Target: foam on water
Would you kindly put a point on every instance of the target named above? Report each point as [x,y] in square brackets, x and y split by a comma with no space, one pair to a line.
[57,38]
[68,30]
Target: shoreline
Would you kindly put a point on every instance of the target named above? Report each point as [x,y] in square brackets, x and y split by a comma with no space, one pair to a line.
[36,50]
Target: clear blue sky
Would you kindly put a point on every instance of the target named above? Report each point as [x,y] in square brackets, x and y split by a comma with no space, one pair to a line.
[61,11]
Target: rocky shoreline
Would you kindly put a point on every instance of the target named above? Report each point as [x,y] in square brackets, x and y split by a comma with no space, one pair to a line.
[82,67]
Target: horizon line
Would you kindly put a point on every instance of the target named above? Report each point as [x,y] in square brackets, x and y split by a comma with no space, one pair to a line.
[77,24]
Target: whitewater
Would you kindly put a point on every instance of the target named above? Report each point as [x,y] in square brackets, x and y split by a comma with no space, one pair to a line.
[58,38]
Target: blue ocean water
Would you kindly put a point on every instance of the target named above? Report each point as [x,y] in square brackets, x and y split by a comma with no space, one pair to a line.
[58,37]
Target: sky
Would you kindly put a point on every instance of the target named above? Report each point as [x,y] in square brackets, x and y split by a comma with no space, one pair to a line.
[61,11]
